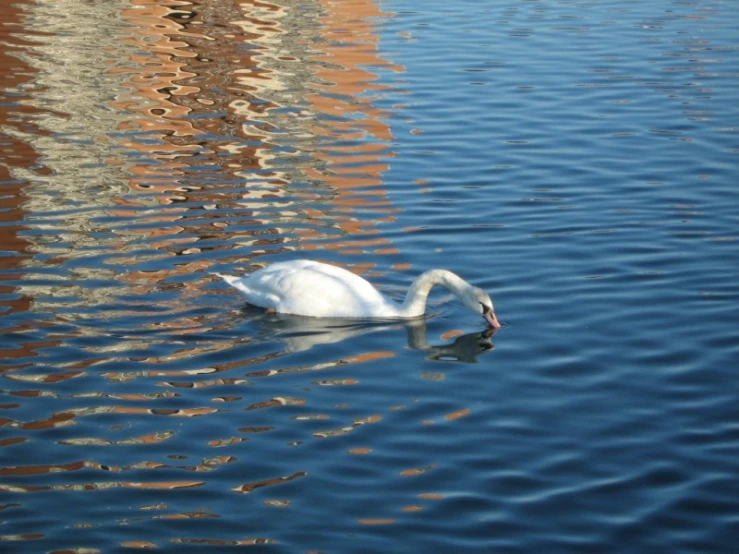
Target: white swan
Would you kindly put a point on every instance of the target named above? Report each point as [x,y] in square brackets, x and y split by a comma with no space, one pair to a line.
[308,288]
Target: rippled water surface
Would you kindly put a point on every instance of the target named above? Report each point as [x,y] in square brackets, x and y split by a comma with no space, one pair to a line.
[577,159]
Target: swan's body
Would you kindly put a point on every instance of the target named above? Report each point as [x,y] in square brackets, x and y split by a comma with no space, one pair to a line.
[308,288]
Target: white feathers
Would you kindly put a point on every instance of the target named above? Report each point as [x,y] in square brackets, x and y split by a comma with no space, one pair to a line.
[308,288]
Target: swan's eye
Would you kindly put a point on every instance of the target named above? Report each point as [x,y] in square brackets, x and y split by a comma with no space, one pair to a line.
[485,309]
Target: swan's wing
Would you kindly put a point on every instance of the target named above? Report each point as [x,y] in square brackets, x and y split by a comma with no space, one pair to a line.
[305,287]
[266,287]
[322,290]
[278,267]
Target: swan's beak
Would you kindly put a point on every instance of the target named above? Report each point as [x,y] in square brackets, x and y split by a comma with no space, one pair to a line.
[491,319]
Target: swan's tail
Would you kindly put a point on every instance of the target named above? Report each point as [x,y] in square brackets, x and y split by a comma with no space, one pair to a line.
[239,283]
[230,279]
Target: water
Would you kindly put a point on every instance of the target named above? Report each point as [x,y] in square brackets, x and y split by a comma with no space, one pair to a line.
[578,160]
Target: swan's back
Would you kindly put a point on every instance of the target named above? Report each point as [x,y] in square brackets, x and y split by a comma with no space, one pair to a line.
[306,287]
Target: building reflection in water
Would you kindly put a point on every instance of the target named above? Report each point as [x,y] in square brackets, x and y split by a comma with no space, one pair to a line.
[196,135]
[145,143]
[217,134]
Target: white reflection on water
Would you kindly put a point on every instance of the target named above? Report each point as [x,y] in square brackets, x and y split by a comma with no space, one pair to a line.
[300,333]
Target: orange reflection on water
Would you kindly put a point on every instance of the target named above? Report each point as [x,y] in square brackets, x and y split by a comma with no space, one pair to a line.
[378,521]
[249,487]
[356,157]
[156,68]
[458,414]
[417,471]
[15,114]
[161,485]
[181,100]
[138,544]
[186,94]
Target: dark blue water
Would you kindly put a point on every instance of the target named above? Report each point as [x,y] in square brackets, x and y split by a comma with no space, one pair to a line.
[577,160]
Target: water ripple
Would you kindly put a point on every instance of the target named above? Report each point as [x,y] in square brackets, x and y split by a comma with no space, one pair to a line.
[577,160]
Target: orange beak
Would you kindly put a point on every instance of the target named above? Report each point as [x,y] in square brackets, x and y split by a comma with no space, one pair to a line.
[491,319]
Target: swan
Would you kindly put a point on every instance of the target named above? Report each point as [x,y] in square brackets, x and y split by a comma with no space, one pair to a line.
[315,289]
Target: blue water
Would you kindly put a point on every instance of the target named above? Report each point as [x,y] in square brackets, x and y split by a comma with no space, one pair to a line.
[577,160]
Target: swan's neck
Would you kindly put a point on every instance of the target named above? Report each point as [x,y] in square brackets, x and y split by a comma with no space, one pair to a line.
[415,301]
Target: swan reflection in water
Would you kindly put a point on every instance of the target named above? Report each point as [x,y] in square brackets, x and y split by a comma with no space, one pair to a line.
[464,348]
[300,333]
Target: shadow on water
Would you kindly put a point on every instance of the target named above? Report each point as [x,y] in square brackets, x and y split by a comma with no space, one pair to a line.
[300,333]
[465,348]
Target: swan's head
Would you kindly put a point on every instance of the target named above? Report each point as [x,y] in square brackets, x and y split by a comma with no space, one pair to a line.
[479,302]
